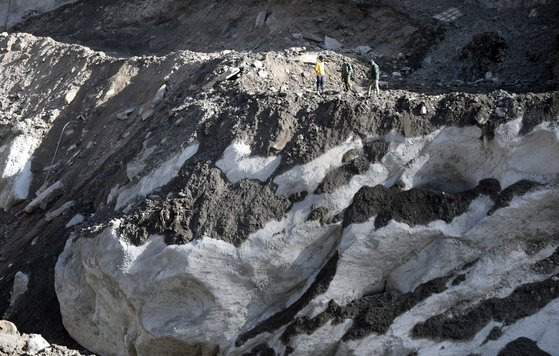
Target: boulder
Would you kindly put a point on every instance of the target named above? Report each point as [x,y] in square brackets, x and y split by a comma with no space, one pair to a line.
[35,344]
[10,339]
[51,215]
[160,94]
[76,220]
[363,49]
[331,44]
[44,198]
[21,282]
[260,19]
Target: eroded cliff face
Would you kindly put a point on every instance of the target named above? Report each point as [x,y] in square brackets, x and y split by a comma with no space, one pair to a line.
[210,202]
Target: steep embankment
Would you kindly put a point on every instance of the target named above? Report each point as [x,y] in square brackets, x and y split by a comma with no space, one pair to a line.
[207,203]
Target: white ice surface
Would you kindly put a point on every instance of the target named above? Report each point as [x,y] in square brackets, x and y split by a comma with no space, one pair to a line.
[210,291]
[156,179]
[237,164]
[15,169]
[458,158]
[306,177]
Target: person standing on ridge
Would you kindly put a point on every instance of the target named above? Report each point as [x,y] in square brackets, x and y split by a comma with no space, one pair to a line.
[320,72]
[374,76]
[347,74]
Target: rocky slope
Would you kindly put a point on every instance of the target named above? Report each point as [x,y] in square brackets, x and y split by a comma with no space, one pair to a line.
[207,201]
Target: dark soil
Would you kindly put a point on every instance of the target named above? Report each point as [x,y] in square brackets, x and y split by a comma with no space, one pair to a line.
[494,334]
[522,347]
[478,55]
[373,313]
[342,175]
[526,300]
[261,350]
[517,189]
[414,206]
[549,264]
[207,205]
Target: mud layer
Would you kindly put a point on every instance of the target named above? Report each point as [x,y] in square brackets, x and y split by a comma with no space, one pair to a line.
[524,301]
[522,346]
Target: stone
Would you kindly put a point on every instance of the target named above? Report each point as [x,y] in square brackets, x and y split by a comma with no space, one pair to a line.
[45,197]
[500,112]
[533,13]
[311,37]
[263,74]
[257,64]
[363,49]
[21,282]
[51,215]
[36,344]
[15,169]
[488,75]
[308,58]
[260,19]
[125,114]
[227,74]
[76,220]
[332,44]
[71,95]
[297,35]
[274,25]
[10,344]
[160,94]
[423,110]
[396,74]
[145,114]
[8,328]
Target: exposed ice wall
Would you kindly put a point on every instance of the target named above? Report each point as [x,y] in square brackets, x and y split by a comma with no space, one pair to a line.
[206,293]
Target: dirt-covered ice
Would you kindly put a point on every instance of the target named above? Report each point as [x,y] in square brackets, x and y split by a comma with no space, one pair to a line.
[193,195]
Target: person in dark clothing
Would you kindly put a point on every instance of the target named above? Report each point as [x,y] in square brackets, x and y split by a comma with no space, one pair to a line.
[374,76]
[347,75]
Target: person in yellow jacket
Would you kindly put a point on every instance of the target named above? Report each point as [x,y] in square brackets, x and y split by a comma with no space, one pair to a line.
[320,72]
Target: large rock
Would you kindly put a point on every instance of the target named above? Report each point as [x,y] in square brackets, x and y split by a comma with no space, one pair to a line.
[332,44]
[10,339]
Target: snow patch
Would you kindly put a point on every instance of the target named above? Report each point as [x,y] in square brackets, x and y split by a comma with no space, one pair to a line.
[237,165]
[306,177]
[158,178]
